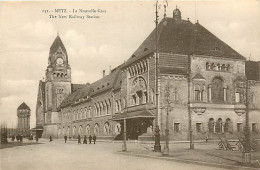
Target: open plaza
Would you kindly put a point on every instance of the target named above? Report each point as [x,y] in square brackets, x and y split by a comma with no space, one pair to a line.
[108,155]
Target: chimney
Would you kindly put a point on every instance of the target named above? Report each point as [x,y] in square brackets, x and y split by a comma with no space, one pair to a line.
[110,69]
[104,73]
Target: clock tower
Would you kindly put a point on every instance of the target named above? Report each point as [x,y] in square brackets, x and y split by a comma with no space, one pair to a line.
[57,84]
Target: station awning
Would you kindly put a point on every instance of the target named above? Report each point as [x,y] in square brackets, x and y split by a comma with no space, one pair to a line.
[37,128]
[134,114]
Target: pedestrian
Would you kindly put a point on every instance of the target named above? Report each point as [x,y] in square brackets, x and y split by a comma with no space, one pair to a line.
[206,138]
[36,138]
[79,140]
[21,138]
[65,138]
[13,137]
[90,139]
[94,138]
[50,139]
[85,140]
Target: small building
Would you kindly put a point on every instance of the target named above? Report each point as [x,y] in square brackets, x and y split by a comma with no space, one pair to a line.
[23,114]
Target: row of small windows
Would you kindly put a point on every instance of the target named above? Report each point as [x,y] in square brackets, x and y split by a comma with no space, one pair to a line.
[120,104]
[96,130]
[217,92]
[138,68]
[217,66]
[103,107]
[59,75]
[219,126]
[78,114]
[139,97]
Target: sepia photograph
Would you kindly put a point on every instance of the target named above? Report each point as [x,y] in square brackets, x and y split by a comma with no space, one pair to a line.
[130,85]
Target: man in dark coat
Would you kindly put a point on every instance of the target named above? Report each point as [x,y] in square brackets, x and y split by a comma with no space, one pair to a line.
[37,138]
[90,139]
[94,138]
[13,137]
[85,140]
[50,139]
[65,138]
[79,140]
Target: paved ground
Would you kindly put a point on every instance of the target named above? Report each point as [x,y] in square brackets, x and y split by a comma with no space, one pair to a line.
[102,156]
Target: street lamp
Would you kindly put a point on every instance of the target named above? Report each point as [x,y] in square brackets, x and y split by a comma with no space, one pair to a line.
[189,108]
[157,145]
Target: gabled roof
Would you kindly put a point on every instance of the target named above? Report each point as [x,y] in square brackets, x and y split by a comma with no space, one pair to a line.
[83,93]
[75,87]
[107,82]
[23,106]
[56,44]
[185,38]
[198,76]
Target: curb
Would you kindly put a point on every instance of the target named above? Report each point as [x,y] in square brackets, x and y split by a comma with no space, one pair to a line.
[210,164]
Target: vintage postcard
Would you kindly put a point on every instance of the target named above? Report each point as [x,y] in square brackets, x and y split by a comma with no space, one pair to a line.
[130,85]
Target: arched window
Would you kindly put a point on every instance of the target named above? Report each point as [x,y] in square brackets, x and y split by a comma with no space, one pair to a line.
[96,129]
[85,113]
[74,131]
[107,128]
[219,126]
[207,66]
[88,129]
[217,90]
[89,112]
[228,126]
[117,129]
[211,125]
[80,130]
[68,131]
[59,131]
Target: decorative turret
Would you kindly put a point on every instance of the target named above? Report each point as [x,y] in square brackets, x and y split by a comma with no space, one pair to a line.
[177,15]
[23,114]
[58,66]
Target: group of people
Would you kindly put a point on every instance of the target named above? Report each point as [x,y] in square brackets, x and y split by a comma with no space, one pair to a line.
[85,140]
[19,138]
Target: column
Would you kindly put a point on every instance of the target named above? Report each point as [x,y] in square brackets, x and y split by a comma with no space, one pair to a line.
[225,94]
[214,127]
[209,97]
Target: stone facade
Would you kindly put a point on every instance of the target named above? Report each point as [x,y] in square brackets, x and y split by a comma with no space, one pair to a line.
[23,114]
[194,67]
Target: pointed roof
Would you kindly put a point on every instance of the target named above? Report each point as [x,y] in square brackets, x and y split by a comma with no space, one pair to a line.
[23,106]
[185,38]
[198,76]
[56,44]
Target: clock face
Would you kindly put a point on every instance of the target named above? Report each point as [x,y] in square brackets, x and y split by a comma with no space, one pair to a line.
[59,61]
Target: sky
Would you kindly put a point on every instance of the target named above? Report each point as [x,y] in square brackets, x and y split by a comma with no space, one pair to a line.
[95,44]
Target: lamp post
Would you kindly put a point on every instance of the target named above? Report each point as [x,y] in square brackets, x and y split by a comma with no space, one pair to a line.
[124,137]
[247,154]
[157,145]
[189,108]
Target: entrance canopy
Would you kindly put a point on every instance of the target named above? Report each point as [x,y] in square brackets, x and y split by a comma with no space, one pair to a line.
[37,128]
[134,114]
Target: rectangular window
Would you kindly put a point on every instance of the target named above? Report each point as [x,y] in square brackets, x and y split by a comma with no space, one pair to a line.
[239,127]
[197,95]
[254,128]
[176,127]
[238,97]
[198,127]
